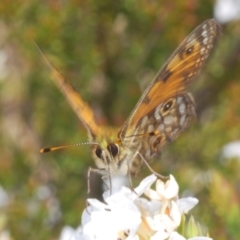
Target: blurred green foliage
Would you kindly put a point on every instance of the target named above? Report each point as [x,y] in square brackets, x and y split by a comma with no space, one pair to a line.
[109,50]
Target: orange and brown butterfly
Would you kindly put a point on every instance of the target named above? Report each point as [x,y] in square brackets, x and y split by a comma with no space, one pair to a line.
[162,113]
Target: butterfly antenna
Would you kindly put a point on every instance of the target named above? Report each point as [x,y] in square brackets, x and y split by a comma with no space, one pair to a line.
[154,133]
[45,58]
[44,150]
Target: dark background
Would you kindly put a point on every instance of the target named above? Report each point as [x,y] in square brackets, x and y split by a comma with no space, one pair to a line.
[110,51]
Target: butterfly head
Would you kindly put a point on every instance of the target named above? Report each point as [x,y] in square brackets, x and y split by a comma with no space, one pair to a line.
[109,156]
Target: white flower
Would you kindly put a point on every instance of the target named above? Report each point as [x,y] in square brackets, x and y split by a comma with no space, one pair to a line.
[164,191]
[186,204]
[126,215]
[66,233]
[230,151]
[118,218]
[161,214]
[4,198]
[227,10]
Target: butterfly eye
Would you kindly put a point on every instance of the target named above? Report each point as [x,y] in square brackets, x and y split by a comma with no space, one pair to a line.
[113,149]
[99,152]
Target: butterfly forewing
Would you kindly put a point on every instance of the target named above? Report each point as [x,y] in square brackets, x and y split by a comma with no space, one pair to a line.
[81,109]
[180,69]
[165,108]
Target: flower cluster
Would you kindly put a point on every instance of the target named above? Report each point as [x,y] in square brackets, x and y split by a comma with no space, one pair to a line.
[126,215]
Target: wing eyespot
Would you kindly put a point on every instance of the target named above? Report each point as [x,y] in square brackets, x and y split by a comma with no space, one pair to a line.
[157,141]
[167,106]
[189,50]
[113,149]
[99,152]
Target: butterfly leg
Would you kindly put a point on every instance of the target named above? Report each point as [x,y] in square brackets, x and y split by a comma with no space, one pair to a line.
[149,167]
[130,177]
[98,171]
[88,179]
[104,178]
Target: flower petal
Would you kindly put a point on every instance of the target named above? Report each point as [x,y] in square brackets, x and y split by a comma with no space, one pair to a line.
[186,204]
[176,236]
[170,189]
[200,238]
[145,184]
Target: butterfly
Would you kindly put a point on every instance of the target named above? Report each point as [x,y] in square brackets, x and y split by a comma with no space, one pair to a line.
[162,113]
